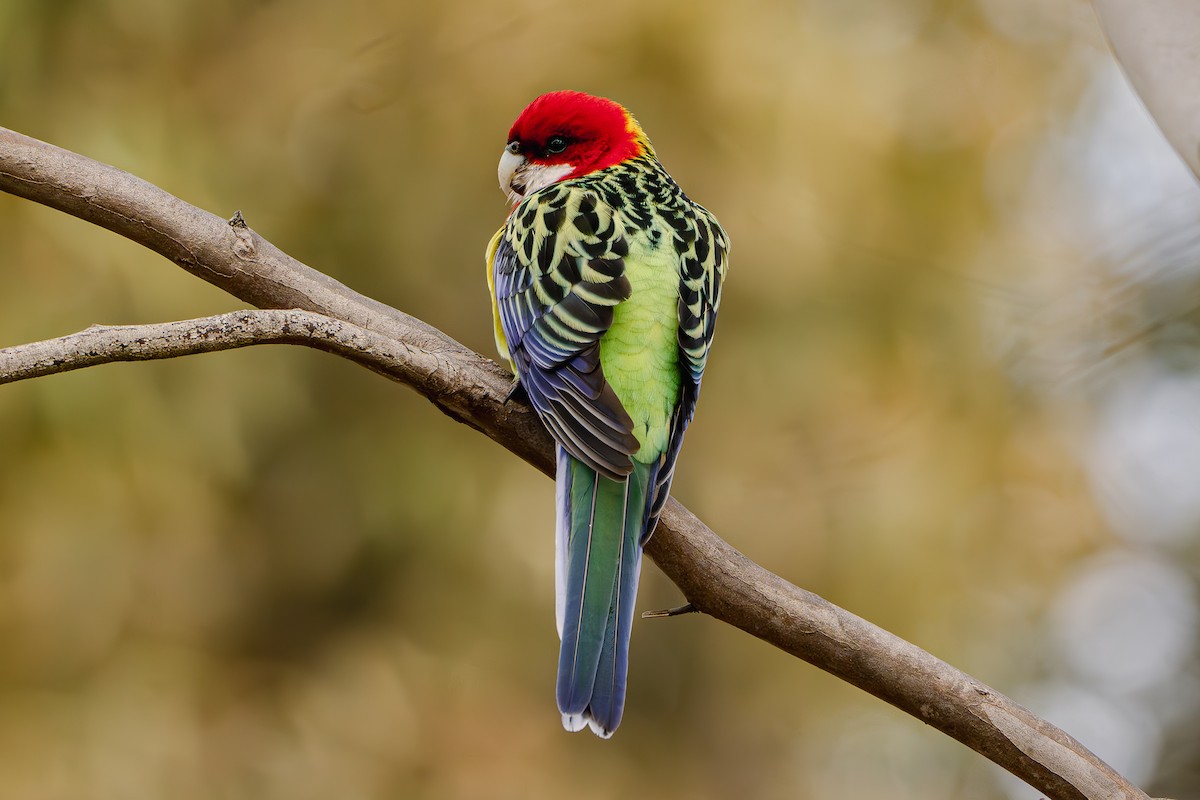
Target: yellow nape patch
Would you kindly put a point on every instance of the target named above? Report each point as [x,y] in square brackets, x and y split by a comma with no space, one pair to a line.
[635,130]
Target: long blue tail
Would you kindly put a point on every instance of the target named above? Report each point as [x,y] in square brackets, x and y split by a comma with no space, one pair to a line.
[599,558]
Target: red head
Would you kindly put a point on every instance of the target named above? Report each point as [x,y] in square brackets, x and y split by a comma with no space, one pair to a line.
[564,135]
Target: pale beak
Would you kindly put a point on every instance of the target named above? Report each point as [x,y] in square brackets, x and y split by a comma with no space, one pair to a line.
[510,165]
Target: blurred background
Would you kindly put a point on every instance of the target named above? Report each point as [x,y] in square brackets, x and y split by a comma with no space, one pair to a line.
[956,390]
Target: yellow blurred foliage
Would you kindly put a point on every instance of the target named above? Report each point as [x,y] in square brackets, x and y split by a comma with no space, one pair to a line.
[269,574]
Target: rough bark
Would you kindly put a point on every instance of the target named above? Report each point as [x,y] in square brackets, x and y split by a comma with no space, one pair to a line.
[714,577]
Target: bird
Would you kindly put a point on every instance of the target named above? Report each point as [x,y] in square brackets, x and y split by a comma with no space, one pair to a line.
[605,282]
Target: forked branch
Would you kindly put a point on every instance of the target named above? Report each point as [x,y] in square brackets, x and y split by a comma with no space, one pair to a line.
[715,578]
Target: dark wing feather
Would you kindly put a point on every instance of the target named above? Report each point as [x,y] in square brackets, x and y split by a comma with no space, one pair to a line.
[558,274]
[703,252]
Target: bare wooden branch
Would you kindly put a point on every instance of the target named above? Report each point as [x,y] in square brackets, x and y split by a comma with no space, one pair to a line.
[1157,44]
[104,344]
[715,578]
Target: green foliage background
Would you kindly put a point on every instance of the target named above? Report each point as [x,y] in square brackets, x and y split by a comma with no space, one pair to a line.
[271,574]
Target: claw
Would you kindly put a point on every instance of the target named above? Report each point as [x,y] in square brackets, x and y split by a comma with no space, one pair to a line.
[518,393]
[686,608]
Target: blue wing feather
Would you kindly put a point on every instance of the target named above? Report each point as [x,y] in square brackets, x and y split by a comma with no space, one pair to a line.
[553,320]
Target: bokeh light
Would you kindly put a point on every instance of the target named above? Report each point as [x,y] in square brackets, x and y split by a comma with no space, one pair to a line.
[953,390]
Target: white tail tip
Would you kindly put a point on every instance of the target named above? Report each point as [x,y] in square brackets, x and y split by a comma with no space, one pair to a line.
[577,722]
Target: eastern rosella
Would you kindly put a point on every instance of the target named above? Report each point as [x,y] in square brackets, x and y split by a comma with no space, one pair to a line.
[605,284]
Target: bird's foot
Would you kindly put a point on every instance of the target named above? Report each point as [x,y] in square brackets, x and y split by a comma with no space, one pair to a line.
[686,608]
[518,393]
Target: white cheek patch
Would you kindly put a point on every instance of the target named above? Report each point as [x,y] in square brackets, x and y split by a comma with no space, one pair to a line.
[538,176]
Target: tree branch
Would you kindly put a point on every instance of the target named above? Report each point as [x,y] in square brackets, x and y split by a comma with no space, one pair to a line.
[714,577]
[104,344]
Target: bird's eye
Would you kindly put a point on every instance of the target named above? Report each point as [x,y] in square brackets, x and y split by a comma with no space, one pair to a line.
[556,144]
[513,147]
